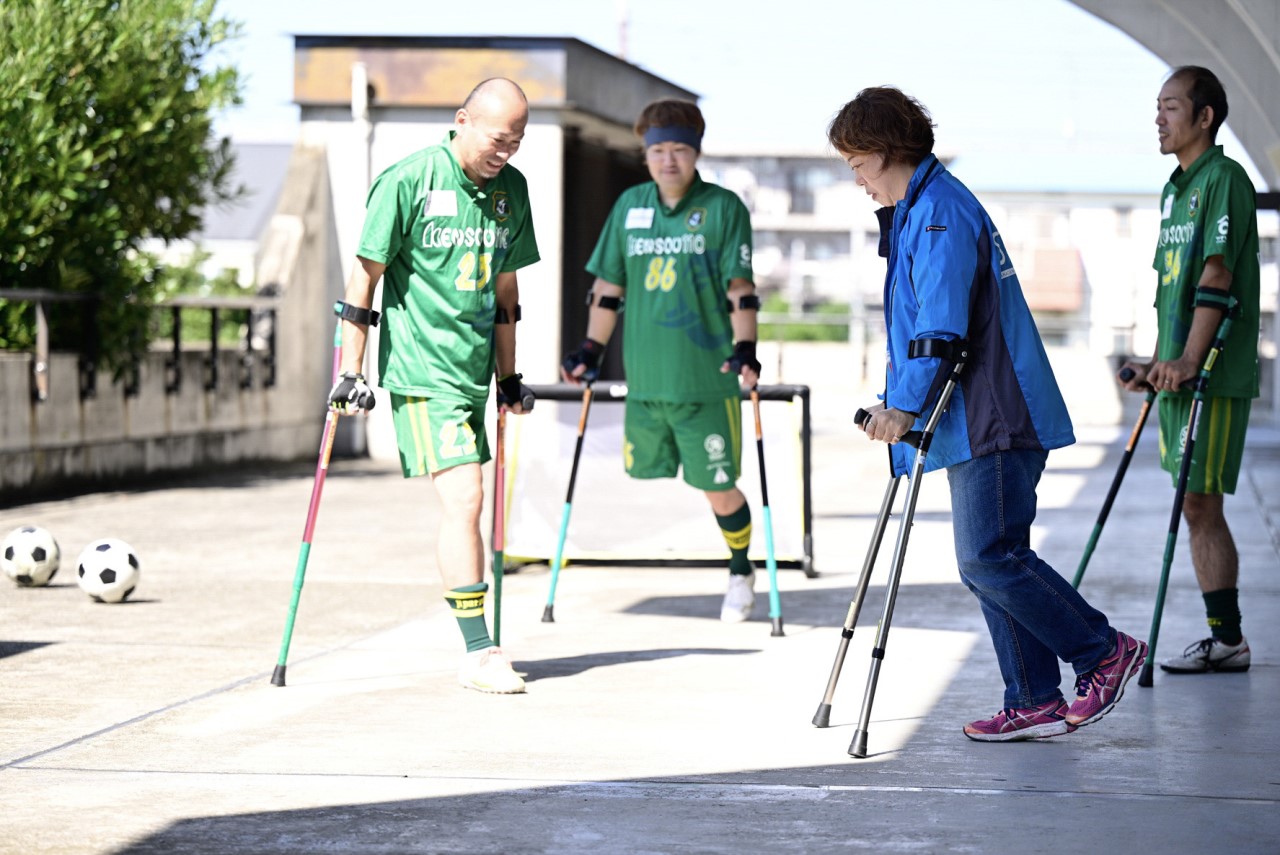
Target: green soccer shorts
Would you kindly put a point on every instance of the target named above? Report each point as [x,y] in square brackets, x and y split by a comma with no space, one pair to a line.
[434,434]
[705,439]
[1215,461]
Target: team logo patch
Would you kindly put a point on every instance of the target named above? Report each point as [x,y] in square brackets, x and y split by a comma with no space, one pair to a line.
[1193,203]
[696,218]
[714,446]
[501,205]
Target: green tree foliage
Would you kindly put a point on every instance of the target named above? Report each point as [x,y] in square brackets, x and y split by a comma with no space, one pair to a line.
[106,140]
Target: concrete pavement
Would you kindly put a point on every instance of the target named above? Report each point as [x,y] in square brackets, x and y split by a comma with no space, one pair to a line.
[649,726]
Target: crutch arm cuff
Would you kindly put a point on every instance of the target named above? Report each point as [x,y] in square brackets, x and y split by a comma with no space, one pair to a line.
[609,302]
[1215,298]
[356,314]
[956,350]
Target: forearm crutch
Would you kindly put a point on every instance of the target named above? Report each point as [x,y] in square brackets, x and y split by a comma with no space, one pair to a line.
[822,717]
[500,509]
[322,468]
[1126,375]
[958,356]
[499,520]
[548,613]
[771,561]
[1180,493]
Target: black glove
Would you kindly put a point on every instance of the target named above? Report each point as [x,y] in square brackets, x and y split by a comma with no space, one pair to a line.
[510,390]
[744,356]
[588,354]
[350,394]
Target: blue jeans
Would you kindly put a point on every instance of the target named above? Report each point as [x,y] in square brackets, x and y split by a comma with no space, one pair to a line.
[1034,615]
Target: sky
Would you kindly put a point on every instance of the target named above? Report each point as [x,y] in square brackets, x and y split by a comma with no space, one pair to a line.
[1026,94]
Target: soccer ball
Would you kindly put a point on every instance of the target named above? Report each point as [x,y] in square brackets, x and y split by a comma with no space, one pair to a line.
[108,570]
[30,556]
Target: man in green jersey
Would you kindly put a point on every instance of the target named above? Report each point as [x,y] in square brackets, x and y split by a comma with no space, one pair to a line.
[1207,255]
[679,251]
[446,230]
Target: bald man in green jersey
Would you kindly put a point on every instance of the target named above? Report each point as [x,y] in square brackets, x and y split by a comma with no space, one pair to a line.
[446,230]
[1207,256]
[678,250]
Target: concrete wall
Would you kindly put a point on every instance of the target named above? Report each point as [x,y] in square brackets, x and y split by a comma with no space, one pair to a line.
[65,443]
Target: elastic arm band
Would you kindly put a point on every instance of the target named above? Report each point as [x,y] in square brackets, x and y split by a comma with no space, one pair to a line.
[952,351]
[750,301]
[1215,299]
[356,314]
[609,302]
[500,315]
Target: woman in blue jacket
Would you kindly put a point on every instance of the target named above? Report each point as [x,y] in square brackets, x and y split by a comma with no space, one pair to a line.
[950,278]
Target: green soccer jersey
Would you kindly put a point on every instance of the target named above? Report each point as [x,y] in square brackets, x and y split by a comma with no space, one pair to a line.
[676,264]
[1210,209]
[443,241]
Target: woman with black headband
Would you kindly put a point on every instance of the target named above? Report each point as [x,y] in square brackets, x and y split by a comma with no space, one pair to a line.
[678,251]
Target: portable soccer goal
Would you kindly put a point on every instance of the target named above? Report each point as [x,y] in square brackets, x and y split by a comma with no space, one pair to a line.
[618,520]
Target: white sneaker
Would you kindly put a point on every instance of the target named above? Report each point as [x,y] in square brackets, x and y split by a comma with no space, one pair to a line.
[739,599]
[489,671]
[1209,655]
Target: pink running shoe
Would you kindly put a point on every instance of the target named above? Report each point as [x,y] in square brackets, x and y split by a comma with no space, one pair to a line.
[1099,690]
[1010,724]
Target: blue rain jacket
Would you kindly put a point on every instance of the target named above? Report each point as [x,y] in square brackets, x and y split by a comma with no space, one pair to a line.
[950,277]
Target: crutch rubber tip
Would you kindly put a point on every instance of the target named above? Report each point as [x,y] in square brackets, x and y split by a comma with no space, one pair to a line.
[277,676]
[777,628]
[858,748]
[549,614]
[822,718]
[1144,679]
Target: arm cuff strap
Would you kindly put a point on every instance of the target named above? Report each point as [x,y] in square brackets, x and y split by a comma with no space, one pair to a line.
[750,301]
[1214,299]
[609,302]
[356,314]
[951,351]
[500,315]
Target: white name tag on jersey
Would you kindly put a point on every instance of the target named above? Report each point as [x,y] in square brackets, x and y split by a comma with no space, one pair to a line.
[1168,208]
[639,218]
[440,203]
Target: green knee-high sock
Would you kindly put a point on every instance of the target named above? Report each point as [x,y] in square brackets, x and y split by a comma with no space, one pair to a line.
[467,603]
[736,528]
[1222,609]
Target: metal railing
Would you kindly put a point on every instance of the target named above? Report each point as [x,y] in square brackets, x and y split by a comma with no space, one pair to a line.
[261,312]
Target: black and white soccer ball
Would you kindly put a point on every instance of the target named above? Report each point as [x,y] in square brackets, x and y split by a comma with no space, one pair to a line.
[108,570]
[30,556]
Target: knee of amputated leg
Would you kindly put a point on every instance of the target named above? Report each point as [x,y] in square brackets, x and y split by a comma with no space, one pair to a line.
[1202,511]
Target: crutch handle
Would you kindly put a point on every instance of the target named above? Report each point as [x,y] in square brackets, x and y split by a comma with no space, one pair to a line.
[911,437]
[1126,374]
